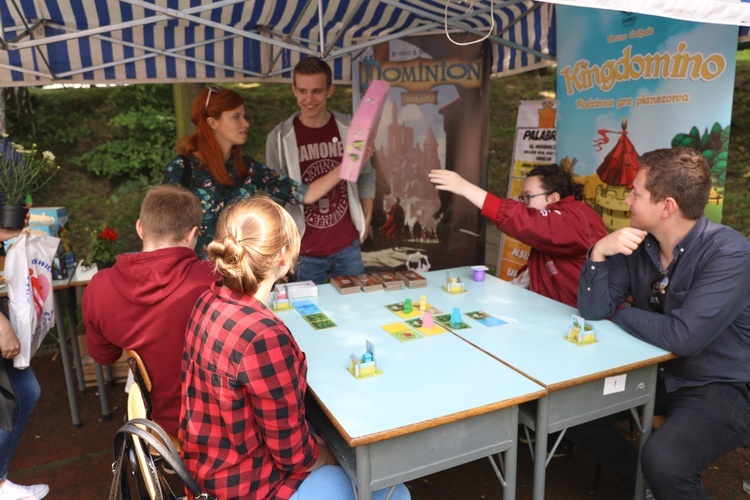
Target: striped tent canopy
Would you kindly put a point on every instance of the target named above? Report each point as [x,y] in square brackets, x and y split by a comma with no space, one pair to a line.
[151,41]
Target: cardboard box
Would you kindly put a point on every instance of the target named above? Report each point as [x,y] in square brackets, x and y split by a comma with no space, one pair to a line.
[362,130]
[52,217]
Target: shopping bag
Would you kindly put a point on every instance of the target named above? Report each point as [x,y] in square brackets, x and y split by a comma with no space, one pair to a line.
[28,272]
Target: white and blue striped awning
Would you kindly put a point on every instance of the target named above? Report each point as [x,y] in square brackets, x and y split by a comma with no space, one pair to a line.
[151,41]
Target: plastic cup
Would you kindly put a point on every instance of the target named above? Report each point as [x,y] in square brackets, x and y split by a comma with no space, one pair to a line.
[479,272]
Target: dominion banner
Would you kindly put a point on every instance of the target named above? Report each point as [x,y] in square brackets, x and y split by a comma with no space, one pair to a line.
[630,83]
[436,116]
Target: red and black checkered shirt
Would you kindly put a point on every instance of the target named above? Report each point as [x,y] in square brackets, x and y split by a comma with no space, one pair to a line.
[242,424]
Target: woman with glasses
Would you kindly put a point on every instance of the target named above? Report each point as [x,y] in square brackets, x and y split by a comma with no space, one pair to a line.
[210,163]
[549,216]
[243,430]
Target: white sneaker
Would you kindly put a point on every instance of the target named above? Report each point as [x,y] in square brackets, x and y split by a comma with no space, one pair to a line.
[12,491]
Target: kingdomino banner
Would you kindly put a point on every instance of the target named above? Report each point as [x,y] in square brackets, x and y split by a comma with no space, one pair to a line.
[630,83]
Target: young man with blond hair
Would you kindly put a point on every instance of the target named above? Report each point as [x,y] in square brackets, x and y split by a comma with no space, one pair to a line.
[144,301]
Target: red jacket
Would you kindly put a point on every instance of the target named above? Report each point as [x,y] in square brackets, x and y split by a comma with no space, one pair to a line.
[559,238]
[143,303]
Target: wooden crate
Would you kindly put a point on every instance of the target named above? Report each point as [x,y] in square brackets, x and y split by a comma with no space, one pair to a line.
[120,367]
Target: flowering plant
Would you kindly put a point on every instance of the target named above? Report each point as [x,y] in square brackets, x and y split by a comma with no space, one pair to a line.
[104,247]
[23,171]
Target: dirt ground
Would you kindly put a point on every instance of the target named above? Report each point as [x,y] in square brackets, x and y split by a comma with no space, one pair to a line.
[76,462]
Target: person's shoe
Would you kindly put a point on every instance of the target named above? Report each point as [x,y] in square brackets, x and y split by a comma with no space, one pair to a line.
[12,491]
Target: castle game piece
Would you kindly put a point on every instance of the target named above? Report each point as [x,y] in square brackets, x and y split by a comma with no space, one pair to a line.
[580,333]
[366,365]
[423,303]
[412,279]
[280,301]
[389,280]
[346,284]
[453,284]
[367,283]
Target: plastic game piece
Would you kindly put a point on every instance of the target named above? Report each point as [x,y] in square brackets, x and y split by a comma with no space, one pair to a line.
[408,308]
[455,316]
[365,365]
[428,321]
[422,303]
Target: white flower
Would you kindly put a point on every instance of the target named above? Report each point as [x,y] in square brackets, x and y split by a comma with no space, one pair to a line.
[48,156]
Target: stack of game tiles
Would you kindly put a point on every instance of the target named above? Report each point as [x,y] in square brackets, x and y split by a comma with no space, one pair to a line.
[346,284]
[412,279]
[368,283]
[389,280]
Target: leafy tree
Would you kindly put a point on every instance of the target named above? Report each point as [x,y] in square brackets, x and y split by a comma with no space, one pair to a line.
[142,135]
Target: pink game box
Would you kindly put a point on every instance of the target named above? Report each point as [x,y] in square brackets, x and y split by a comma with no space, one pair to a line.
[362,130]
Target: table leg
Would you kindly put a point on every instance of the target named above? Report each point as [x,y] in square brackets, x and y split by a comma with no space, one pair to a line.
[62,339]
[511,459]
[646,425]
[364,474]
[73,317]
[103,400]
[540,448]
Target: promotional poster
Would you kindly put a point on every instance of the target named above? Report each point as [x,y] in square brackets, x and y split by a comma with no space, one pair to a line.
[630,83]
[424,125]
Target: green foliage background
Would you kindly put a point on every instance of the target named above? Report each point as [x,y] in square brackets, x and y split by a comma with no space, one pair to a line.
[112,142]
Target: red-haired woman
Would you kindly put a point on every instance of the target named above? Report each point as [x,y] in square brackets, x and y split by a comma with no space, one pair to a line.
[211,164]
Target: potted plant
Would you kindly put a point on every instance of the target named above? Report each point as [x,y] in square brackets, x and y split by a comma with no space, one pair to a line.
[104,248]
[22,172]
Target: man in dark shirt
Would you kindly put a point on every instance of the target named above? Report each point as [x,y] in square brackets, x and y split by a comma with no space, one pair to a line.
[689,282]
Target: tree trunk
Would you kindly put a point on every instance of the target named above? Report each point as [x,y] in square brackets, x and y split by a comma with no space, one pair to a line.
[183,95]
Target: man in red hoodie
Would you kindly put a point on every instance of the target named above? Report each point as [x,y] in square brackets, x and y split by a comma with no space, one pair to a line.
[144,301]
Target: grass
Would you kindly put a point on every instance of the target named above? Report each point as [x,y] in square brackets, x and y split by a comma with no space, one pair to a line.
[93,200]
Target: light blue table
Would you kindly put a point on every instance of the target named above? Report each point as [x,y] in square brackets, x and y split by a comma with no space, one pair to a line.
[439,403]
[575,376]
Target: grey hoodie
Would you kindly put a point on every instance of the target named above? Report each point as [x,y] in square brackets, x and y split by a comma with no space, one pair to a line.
[281,155]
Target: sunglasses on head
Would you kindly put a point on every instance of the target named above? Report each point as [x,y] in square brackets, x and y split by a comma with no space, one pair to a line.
[657,290]
[211,90]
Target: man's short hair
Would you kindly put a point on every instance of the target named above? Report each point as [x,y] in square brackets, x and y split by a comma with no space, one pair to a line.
[169,212]
[679,173]
[313,66]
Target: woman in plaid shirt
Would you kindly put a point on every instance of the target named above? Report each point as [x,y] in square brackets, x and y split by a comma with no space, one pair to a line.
[243,428]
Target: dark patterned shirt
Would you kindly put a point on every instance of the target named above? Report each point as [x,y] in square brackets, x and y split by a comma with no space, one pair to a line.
[242,425]
[214,196]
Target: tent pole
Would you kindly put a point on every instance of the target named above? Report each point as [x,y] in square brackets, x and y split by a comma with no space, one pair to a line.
[322,28]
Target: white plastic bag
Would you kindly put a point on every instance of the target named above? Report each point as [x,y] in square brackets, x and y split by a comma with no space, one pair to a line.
[28,271]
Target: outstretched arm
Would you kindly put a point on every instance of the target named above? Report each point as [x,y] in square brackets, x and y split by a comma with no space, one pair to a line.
[320,186]
[448,180]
